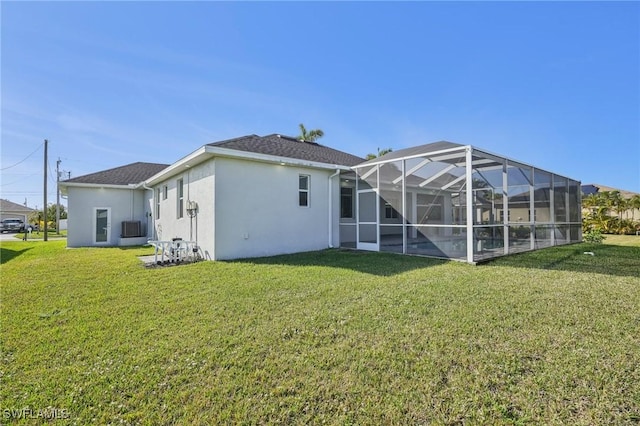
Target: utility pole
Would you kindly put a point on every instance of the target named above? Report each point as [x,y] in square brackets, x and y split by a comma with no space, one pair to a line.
[58,196]
[44,209]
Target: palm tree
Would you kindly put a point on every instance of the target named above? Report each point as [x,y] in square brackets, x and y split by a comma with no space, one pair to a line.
[634,204]
[590,202]
[599,206]
[616,202]
[380,153]
[309,136]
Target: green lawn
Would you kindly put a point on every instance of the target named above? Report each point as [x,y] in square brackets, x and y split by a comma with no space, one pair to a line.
[40,235]
[338,337]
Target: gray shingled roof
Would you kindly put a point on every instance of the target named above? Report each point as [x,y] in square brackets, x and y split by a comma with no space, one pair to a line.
[10,206]
[416,150]
[133,173]
[286,146]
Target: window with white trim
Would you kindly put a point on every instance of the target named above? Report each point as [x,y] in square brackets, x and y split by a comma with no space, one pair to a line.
[346,203]
[180,198]
[390,212]
[165,191]
[157,203]
[303,190]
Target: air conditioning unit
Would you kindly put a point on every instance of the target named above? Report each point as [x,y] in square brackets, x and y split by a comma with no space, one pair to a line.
[131,229]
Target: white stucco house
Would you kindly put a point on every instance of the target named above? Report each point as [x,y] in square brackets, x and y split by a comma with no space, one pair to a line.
[255,196]
[265,195]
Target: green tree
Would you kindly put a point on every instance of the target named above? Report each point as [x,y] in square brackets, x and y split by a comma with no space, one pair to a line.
[381,152]
[51,212]
[598,218]
[37,216]
[600,213]
[634,204]
[309,135]
[618,203]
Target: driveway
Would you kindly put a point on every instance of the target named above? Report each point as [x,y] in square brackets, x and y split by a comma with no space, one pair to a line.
[9,236]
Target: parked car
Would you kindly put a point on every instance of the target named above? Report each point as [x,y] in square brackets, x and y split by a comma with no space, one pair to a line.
[11,225]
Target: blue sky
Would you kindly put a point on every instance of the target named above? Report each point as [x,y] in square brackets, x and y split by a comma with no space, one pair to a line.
[553,84]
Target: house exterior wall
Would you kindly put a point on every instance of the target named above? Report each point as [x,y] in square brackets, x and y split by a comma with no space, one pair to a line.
[198,186]
[9,214]
[258,212]
[125,205]
[9,210]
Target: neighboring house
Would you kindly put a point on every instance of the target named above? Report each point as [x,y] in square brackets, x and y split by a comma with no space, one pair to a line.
[11,210]
[594,188]
[265,195]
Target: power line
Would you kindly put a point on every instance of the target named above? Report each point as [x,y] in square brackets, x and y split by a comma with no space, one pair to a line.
[19,180]
[24,159]
[51,175]
[22,192]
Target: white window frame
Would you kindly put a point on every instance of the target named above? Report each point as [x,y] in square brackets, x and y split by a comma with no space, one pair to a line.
[390,212]
[158,191]
[165,192]
[352,197]
[180,198]
[306,190]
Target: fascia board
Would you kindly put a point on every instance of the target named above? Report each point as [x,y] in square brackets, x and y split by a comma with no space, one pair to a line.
[97,185]
[196,157]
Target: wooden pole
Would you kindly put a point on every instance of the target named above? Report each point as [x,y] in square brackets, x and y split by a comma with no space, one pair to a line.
[44,208]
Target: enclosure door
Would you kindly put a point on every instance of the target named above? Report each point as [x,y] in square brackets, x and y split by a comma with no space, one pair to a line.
[368,220]
[101,225]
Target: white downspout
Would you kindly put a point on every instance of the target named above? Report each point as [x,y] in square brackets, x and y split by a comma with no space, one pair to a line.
[331,207]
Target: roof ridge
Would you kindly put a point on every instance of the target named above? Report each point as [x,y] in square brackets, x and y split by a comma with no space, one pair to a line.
[10,205]
[277,144]
[233,139]
[123,166]
[135,172]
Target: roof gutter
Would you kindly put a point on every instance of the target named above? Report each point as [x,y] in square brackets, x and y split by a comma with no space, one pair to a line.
[94,185]
[196,157]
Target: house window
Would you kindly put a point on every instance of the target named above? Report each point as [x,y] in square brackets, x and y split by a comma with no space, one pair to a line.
[429,208]
[158,203]
[180,205]
[390,212]
[303,190]
[165,190]
[346,203]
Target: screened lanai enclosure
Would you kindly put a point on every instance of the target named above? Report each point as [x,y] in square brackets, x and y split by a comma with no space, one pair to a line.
[456,202]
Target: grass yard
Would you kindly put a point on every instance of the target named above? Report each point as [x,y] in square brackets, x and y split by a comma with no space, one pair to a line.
[40,235]
[338,337]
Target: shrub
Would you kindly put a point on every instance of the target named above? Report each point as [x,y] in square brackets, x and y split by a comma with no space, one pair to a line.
[593,236]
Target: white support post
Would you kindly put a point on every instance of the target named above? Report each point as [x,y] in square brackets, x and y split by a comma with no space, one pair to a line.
[357,207]
[505,205]
[469,197]
[532,209]
[377,192]
[552,209]
[404,208]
